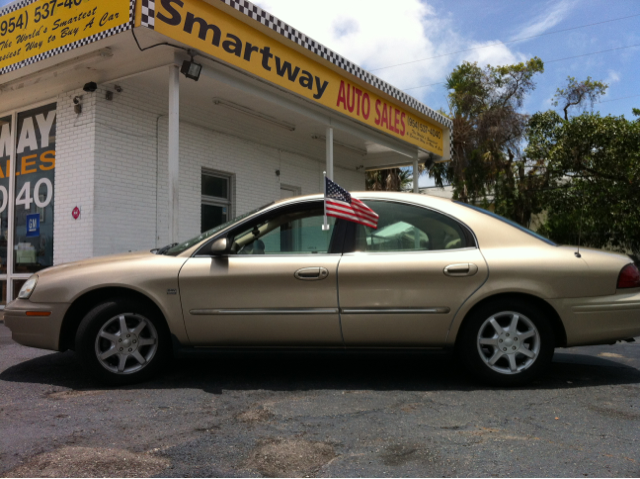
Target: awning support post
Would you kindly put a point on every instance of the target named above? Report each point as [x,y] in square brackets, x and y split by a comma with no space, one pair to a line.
[330,153]
[174,151]
[416,189]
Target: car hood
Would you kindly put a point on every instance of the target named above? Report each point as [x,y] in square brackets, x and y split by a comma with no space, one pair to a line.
[140,271]
[97,262]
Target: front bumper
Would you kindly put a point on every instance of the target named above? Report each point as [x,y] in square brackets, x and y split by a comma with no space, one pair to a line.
[35,331]
[601,319]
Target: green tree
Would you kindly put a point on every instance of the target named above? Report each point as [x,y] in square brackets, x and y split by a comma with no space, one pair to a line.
[577,93]
[389,179]
[594,166]
[487,164]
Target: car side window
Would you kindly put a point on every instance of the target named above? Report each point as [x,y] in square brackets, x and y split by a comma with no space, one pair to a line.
[403,227]
[291,232]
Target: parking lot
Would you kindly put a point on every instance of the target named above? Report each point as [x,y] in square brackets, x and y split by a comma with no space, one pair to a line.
[319,415]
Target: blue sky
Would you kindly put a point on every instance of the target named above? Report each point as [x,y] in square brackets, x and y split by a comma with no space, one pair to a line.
[416,39]
[378,34]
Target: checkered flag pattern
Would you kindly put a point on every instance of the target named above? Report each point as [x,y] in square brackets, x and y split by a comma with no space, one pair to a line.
[65,48]
[277,25]
[148,14]
[12,7]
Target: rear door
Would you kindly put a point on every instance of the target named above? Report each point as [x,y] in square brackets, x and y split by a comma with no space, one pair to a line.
[401,285]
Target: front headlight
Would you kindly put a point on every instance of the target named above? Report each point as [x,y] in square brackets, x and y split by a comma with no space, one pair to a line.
[28,287]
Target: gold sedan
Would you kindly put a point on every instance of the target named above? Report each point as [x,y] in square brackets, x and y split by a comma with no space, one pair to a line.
[435,274]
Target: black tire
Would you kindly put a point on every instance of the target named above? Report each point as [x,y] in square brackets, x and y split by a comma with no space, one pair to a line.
[507,352]
[152,343]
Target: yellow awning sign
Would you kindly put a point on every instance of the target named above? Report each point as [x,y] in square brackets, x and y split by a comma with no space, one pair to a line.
[44,28]
[216,33]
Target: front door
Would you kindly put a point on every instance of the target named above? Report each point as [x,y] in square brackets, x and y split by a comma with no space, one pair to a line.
[278,287]
[403,283]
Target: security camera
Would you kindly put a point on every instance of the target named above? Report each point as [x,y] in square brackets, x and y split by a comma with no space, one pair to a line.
[77,100]
[90,87]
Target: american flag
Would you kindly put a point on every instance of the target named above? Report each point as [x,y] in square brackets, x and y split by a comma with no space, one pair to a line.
[340,204]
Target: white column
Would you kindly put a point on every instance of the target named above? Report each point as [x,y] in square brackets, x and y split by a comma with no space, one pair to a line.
[330,153]
[416,189]
[174,151]
[11,233]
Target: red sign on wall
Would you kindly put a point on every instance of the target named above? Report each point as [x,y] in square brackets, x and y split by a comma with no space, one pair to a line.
[75,213]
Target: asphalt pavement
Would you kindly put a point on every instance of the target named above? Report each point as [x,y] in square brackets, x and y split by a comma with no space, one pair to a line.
[319,415]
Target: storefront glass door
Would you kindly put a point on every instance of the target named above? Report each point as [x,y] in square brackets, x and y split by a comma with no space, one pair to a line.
[26,195]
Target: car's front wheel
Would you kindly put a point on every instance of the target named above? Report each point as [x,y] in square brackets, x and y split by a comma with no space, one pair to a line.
[122,341]
[506,343]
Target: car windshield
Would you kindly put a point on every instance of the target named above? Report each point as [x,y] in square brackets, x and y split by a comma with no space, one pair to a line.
[176,250]
[509,222]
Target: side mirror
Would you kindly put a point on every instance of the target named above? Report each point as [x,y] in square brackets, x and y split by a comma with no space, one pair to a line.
[220,247]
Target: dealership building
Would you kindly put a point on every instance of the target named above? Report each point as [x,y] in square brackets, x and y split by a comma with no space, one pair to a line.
[130,124]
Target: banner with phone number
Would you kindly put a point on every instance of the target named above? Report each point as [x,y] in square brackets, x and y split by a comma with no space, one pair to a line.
[32,30]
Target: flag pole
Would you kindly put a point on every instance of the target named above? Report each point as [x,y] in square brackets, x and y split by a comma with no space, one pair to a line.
[325,226]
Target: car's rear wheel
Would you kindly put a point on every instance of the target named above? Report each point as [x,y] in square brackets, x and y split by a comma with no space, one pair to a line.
[122,341]
[506,343]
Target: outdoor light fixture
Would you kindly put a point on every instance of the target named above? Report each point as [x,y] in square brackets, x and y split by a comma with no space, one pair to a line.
[343,145]
[255,114]
[77,104]
[90,87]
[191,69]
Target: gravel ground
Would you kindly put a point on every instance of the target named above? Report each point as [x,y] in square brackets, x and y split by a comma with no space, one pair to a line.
[319,415]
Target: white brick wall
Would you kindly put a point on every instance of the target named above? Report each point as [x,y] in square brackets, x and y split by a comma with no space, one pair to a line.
[125,169]
[74,179]
[112,161]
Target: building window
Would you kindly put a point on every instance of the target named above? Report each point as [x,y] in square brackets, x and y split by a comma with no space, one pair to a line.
[215,207]
[26,195]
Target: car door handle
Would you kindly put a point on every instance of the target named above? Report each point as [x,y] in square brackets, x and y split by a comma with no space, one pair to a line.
[461,269]
[311,273]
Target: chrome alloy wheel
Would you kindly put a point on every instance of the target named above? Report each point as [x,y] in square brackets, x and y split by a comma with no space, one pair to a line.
[508,342]
[126,343]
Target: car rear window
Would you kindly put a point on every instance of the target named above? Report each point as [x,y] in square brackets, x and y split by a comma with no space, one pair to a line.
[405,227]
[509,222]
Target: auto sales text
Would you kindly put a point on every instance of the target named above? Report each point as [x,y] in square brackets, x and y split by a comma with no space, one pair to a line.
[356,101]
